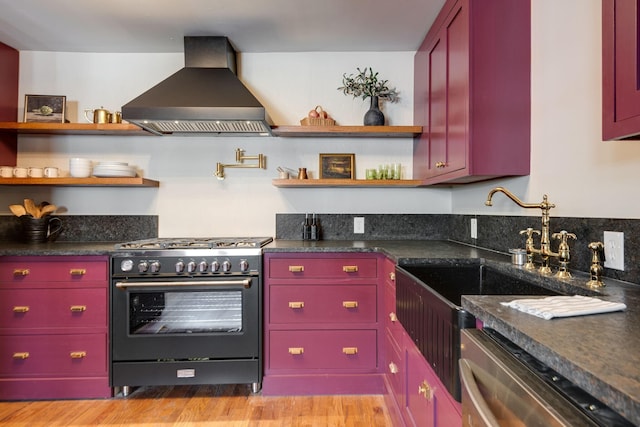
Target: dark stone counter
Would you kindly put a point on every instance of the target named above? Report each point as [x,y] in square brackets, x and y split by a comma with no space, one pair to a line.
[56,248]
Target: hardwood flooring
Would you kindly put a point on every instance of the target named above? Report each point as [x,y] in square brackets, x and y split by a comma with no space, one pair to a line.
[200,406]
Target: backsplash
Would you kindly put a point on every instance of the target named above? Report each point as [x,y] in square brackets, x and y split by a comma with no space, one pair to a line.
[499,233]
[91,228]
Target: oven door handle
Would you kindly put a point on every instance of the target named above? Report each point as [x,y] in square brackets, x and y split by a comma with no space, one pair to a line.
[244,283]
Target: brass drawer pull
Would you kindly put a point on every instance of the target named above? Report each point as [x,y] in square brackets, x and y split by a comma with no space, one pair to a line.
[350,304]
[425,390]
[78,354]
[296,268]
[392,276]
[77,271]
[393,317]
[21,355]
[296,350]
[393,368]
[350,350]
[441,165]
[20,308]
[78,308]
[296,304]
[21,272]
[350,268]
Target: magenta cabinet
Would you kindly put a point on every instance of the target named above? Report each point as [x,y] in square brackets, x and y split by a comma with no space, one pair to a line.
[54,327]
[9,73]
[322,324]
[472,93]
[620,70]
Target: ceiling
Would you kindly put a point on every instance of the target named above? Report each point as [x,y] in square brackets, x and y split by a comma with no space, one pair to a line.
[250,25]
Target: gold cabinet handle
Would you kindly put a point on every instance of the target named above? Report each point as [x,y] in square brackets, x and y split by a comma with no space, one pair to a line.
[296,268]
[78,308]
[350,304]
[393,317]
[20,308]
[21,272]
[350,350]
[296,350]
[77,271]
[392,276]
[441,164]
[425,390]
[296,304]
[78,354]
[21,355]
[393,368]
[350,268]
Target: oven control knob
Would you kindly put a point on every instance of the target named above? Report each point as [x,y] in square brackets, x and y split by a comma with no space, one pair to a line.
[215,266]
[244,265]
[126,265]
[179,267]
[202,267]
[155,267]
[143,267]
[191,267]
[226,266]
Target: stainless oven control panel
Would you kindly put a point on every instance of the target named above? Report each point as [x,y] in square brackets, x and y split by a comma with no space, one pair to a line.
[149,264]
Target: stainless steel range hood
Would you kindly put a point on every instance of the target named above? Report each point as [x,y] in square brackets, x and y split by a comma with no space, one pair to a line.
[206,97]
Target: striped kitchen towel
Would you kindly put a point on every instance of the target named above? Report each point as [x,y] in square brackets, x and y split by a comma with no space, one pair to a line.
[564,306]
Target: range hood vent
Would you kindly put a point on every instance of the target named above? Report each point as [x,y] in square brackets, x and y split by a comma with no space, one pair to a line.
[206,97]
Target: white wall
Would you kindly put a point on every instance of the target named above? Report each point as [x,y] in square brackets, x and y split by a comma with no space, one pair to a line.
[582,175]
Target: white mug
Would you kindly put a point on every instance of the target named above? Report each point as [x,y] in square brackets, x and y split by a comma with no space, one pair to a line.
[50,172]
[35,172]
[20,172]
[6,171]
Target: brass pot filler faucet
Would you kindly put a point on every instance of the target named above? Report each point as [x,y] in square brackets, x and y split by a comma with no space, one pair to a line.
[545,251]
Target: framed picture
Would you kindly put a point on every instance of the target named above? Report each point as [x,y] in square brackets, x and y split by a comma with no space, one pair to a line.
[337,166]
[44,108]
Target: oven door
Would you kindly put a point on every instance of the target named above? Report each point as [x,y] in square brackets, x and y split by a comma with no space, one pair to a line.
[191,318]
[497,390]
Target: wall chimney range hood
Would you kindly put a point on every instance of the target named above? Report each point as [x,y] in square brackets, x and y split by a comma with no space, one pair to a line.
[206,97]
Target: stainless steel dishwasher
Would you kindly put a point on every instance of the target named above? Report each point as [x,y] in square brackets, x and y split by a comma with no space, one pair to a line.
[502,385]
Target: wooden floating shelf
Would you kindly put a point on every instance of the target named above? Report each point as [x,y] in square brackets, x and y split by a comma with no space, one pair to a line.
[82,182]
[72,128]
[368,183]
[347,131]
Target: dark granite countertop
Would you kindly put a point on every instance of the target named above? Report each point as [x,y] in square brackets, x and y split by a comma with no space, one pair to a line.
[56,248]
[599,353]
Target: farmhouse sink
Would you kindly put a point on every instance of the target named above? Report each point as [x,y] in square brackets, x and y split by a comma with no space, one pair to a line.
[428,299]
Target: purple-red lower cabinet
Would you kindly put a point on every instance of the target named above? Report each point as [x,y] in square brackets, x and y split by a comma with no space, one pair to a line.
[54,327]
[321,323]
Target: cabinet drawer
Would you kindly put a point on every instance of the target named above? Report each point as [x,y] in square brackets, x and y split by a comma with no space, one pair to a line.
[27,270]
[325,304]
[344,350]
[343,268]
[53,308]
[73,355]
[395,365]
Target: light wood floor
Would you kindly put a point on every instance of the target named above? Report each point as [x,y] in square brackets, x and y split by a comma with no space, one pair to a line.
[201,406]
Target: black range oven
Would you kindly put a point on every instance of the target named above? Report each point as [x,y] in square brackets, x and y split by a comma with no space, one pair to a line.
[186,311]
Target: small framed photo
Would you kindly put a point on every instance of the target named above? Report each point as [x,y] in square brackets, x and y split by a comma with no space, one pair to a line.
[337,166]
[44,108]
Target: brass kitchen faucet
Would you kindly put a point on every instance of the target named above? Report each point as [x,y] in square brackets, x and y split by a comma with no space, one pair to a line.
[545,245]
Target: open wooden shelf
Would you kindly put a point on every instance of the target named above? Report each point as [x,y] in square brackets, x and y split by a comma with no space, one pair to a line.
[72,128]
[347,131]
[368,183]
[82,182]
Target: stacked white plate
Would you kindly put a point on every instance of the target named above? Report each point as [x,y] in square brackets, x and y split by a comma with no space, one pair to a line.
[113,169]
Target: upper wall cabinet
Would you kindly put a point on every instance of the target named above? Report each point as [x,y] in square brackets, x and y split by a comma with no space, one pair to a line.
[620,70]
[472,93]
[9,71]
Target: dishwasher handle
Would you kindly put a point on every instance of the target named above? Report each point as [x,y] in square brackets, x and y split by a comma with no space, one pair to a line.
[475,410]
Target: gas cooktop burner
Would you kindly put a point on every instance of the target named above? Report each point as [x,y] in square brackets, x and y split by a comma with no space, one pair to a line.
[196,243]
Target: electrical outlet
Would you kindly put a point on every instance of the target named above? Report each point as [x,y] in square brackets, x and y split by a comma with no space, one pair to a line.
[474,228]
[358,225]
[614,250]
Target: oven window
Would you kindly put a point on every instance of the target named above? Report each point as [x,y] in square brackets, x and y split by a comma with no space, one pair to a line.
[184,312]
